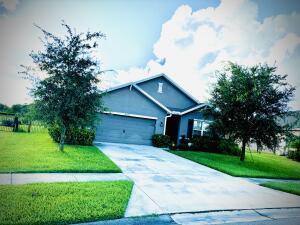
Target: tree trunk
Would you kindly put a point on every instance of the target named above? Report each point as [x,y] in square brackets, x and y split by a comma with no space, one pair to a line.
[243,151]
[29,127]
[62,138]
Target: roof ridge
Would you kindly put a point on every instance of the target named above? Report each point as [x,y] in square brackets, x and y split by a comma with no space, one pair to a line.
[151,78]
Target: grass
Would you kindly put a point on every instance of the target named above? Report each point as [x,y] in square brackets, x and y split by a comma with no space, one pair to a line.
[290,187]
[63,203]
[263,165]
[36,152]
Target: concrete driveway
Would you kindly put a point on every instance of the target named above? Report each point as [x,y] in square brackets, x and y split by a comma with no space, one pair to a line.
[166,183]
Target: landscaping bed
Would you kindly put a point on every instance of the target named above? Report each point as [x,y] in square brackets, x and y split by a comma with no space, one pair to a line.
[63,203]
[37,152]
[260,165]
[290,187]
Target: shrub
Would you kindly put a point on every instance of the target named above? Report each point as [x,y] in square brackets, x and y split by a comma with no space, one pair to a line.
[295,143]
[8,123]
[214,145]
[204,143]
[160,140]
[229,147]
[75,136]
[294,155]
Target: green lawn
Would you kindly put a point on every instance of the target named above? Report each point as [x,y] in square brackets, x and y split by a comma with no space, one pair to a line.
[63,203]
[290,187]
[36,152]
[264,165]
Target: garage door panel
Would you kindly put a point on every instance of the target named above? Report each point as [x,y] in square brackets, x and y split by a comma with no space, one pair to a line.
[124,129]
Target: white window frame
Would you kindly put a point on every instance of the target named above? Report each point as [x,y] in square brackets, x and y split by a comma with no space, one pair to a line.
[202,128]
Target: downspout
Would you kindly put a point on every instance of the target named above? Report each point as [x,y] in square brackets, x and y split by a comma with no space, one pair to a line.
[165,124]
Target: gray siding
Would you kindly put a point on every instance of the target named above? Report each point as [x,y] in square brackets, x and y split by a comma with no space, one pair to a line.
[171,97]
[183,126]
[133,102]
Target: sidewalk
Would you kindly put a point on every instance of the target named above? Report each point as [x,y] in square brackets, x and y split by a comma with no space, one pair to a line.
[283,216]
[24,178]
[264,180]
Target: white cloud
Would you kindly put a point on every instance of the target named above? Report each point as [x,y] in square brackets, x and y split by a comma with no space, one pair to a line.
[196,44]
[9,5]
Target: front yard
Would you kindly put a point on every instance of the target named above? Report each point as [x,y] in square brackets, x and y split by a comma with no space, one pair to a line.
[36,152]
[263,165]
[63,203]
[290,187]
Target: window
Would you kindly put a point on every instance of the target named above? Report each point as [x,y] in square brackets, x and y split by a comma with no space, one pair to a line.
[200,127]
[160,87]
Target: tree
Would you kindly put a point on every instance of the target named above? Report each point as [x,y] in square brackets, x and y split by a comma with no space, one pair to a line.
[247,103]
[3,108]
[68,97]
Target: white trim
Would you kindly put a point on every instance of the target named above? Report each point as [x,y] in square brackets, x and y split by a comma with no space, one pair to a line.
[118,87]
[151,98]
[194,108]
[130,115]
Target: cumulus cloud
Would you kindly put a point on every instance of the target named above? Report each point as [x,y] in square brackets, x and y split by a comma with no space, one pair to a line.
[194,44]
[9,5]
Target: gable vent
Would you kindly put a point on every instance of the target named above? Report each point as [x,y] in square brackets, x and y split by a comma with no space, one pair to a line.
[160,87]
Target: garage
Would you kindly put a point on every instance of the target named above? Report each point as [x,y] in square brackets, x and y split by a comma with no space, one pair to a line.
[125,129]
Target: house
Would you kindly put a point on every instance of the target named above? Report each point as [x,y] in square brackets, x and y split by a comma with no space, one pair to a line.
[155,105]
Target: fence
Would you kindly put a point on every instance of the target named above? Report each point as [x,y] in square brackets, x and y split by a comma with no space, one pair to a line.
[11,122]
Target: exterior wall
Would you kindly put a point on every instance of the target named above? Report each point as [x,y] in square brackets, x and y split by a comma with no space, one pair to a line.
[171,96]
[132,101]
[183,126]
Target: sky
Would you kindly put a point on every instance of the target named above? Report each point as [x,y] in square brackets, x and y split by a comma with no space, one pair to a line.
[187,40]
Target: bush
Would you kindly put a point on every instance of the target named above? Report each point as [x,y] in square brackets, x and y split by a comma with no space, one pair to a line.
[294,155]
[75,136]
[295,143]
[160,140]
[204,143]
[8,123]
[229,147]
[214,145]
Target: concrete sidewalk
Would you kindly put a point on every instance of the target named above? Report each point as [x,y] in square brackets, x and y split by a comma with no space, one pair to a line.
[24,178]
[290,216]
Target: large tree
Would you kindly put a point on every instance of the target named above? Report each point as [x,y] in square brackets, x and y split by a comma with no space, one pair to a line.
[68,96]
[247,103]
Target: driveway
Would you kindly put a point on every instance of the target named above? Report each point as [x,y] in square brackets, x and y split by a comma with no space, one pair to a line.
[166,183]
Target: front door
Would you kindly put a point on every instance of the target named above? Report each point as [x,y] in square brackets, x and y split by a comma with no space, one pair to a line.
[172,127]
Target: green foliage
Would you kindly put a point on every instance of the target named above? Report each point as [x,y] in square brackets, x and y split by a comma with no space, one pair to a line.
[160,140]
[295,143]
[4,108]
[36,152]
[262,165]
[68,96]
[294,155]
[290,187]
[229,147]
[209,144]
[247,102]
[63,203]
[74,136]
[18,109]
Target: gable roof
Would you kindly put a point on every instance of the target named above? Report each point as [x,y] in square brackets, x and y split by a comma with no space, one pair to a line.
[151,78]
[135,85]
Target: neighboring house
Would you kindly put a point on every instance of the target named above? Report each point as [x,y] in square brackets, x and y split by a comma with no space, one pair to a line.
[156,105]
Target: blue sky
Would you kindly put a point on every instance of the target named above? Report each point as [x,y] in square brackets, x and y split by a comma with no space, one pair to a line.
[137,37]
